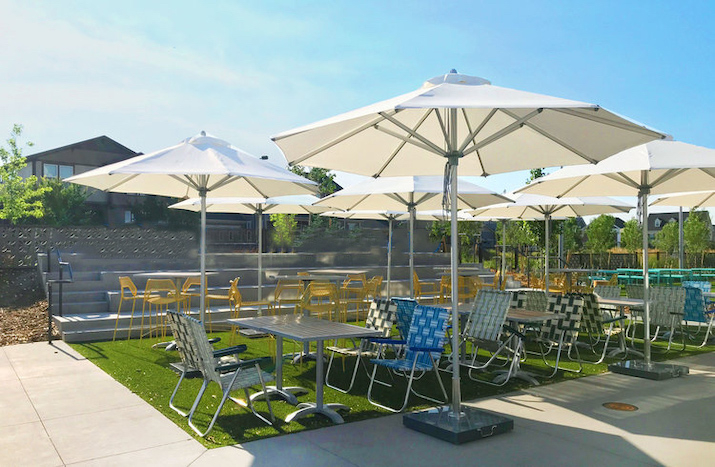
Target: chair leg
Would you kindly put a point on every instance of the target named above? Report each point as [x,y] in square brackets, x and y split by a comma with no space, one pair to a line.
[196,403]
[173,394]
[116,322]
[352,380]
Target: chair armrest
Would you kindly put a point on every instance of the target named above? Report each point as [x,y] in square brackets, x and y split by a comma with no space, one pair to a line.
[513,330]
[568,328]
[613,320]
[213,340]
[427,349]
[386,340]
[242,364]
[230,350]
[676,313]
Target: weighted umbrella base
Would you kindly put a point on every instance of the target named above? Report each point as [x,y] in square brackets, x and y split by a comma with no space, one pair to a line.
[655,371]
[474,424]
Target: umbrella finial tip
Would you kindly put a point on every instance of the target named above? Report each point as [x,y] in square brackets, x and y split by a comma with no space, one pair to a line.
[203,133]
[453,70]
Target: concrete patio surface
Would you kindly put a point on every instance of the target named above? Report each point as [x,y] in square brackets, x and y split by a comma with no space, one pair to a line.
[59,409]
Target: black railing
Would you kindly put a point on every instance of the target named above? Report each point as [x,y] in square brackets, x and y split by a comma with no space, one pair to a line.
[60,281]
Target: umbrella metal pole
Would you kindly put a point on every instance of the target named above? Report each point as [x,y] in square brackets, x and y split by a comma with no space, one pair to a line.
[503,253]
[646,282]
[681,240]
[411,208]
[259,213]
[202,253]
[546,255]
[389,254]
[456,386]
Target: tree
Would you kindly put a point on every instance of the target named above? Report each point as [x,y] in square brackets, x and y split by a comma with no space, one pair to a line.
[467,231]
[573,235]
[324,179]
[284,229]
[632,237]
[155,209]
[64,204]
[696,232]
[667,239]
[601,234]
[19,198]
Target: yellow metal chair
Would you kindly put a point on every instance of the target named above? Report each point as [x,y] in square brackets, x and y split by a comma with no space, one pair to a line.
[228,297]
[288,292]
[353,292]
[127,291]
[374,289]
[191,288]
[321,299]
[159,293]
[426,291]
[235,300]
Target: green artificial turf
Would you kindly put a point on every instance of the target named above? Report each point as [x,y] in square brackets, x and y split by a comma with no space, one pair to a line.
[146,372]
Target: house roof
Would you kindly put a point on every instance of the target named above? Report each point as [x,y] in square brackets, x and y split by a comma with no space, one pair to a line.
[664,217]
[98,151]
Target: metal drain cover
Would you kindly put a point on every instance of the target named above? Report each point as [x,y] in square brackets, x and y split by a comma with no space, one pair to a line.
[621,406]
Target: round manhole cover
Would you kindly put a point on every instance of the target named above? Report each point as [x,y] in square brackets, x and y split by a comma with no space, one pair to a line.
[622,406]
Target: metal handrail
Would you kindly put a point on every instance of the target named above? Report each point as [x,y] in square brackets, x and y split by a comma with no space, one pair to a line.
[60,281]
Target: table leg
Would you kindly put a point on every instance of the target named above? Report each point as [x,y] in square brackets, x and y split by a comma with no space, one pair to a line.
[516,372]
[317,407]
[287,394]
[622,348]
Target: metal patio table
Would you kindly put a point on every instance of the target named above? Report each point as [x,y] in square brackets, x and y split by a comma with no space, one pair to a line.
[622,303]
[522,317]
[304,329]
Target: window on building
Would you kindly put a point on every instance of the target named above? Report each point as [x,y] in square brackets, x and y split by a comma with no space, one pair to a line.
[658,223]
[57,170]
[128,217]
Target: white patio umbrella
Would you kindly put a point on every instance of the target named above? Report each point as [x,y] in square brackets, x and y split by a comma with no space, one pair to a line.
[538,207]
[410,194]
[658,167]
[375,214]
[295,204]
[197,166]
[457,117]
[694,200]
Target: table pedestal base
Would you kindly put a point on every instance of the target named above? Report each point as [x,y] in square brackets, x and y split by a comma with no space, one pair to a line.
[472,425]
[655,371]
[328,410]
[287,394]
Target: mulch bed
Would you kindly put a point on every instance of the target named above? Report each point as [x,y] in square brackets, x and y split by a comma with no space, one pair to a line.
[23,308]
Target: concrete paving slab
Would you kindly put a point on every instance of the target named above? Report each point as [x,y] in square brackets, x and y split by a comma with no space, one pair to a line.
[27,444]
[6,369]
[294,450]
[168,455]
[112,432]
[43,359]
[72,394]
[15,407]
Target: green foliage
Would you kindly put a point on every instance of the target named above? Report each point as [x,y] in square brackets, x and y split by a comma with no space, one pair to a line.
[19,198]
[64,204]
[667,239]
[573,235]
[284,229]
[467,231]
[696,232]
[601,234]
[324,179]
[632,236]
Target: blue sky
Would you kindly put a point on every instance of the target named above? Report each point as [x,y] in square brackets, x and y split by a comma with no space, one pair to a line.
[149,74]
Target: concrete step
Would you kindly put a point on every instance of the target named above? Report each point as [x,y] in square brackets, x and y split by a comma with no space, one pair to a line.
[80,308]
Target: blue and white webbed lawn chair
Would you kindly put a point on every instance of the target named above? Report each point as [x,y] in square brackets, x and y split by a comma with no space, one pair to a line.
[423,348]
[380,317]
[696,308]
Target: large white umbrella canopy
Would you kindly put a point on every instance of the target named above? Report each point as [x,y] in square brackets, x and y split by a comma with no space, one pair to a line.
[538,207]
[408,193]
[691,199]
[197,166]
[294,204]
[465,120]
[658,167]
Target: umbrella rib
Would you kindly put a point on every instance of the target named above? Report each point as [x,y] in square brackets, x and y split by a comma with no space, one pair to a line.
[434,148]
[357,202]
[442,126]
[400,146]
[123,181]
[503,132]
[554,139]
[595,118]
[253,185]
[224,181]
[425,197]
[186,180]
[666,176]
[473,134]
[339,139]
